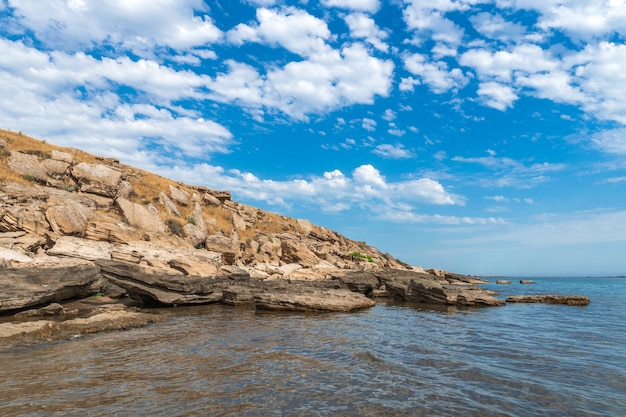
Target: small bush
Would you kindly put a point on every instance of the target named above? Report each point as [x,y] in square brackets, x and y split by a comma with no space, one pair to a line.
[192,220]
[175,227]
[360,255]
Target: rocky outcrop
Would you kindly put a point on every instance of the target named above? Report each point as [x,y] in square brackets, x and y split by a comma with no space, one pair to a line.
[45,280]
[141,217]
[433,289]
[312,299]
[28,166]
[570,300]
[503,281]
[97,179]
[69,218]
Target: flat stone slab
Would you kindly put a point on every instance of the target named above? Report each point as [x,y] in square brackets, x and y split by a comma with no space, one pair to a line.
[570,300]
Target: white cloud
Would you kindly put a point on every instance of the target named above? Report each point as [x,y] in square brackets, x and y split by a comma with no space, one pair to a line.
[293,29]
[427,19]
[496,27]
[139,25]
[611,141]
[364,27]
[365,189]
[370,6]
[397,151]
[496,95]
[435,74]
[368,124]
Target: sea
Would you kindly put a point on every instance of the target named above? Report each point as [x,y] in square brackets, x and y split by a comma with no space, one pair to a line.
[395,359]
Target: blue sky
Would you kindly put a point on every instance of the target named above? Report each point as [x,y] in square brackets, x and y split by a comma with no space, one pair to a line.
[482,137]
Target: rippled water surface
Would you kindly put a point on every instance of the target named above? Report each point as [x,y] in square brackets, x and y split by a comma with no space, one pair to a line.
[391,360]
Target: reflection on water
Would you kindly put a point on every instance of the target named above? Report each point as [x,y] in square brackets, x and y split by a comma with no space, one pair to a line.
[393,360]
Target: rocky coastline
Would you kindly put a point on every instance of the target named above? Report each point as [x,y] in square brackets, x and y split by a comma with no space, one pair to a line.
[85,241]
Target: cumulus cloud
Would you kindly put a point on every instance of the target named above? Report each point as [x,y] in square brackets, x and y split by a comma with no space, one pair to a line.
[140,25]
[333,191]
[291,28]
[497,95]
[436,74]
[611,141]
[364,27]
[317,85]
[370,6]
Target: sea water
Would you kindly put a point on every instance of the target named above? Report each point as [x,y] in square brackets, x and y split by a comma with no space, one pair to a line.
[396,359]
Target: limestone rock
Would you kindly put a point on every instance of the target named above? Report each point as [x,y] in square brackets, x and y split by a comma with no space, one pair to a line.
[140,216]
[13,256]
[194,235]
[75,247]
[312,299]
[503,281]
[30,219]
[56,169]
[294,252]
[150,285]
[526,281]
[570,300]
[110,230]
[124,190]
[97,179]
[52,309]
[180,196]
[69,218]
[210,200]
[62,156]
[47,280]
[28,165]
[169,205]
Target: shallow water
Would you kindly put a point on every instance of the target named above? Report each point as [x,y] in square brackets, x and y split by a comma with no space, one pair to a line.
[392,360]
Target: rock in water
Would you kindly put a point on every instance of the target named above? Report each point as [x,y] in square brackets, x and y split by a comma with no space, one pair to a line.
[570,300]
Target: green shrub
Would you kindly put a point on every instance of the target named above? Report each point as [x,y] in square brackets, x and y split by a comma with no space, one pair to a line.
[192,220]
[357,254]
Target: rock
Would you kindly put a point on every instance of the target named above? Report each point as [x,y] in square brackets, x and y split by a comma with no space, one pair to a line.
[152,285]
[124,190]
[194,235]
[238,222]
[295,252]
[46,280]
[570,300]
[362,282]
[238,295]
[30,219]
[210,200]
[13,256]
[180,196]
[52,309]
[526,281]
[69,218]
[111,230]
[28,166]
[62,156]
[170,207]
[22,241]
[189,267]
[97,321]
[75,247]
[56,169]
[312,299]
[431,292]
[97,179]
[224,245]
[503,281]
[140,216]
[427,288]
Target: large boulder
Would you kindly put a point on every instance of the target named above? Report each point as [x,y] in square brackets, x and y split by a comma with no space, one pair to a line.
[97,179]
[69,218]
[151,285]
[46,280]
[140,216]
[170,207]
[30,219]
[28,166]
[296,252]
[180,196]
